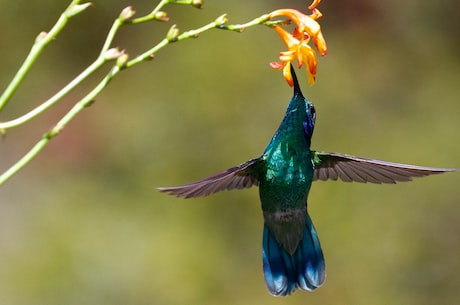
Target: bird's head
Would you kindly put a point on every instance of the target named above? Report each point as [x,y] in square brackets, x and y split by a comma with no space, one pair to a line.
[309,122]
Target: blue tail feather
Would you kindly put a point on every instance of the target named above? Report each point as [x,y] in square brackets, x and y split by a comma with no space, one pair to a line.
[283,272]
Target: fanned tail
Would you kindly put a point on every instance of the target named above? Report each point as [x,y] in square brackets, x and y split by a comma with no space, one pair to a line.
[283,272]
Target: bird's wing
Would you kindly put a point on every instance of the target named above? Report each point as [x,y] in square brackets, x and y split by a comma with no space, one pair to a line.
[238,177]
[350,168]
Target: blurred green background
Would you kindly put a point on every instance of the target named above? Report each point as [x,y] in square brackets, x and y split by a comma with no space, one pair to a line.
[83,224]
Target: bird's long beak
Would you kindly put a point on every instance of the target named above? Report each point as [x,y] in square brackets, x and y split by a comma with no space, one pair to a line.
[297,90]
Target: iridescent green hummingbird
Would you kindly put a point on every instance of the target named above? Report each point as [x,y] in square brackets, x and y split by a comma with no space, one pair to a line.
[292,255]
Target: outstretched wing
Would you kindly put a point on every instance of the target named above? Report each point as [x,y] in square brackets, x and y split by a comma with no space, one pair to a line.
[350,168]
[238,177]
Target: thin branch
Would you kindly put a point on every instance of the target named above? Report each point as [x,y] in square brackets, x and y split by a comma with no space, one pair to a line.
[106,55]
[42,40]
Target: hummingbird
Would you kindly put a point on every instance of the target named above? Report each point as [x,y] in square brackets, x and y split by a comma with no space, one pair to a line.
[291,251]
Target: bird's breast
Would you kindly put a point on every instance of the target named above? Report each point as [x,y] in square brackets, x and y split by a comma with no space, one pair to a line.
[286,179]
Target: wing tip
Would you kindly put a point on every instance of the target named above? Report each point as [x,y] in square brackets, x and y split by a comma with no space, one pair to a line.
[173,191]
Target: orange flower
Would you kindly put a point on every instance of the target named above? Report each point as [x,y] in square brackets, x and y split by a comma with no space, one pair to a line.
[297,49]
[297,43]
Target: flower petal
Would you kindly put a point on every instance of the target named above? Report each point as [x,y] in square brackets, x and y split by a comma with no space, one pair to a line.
[276,65]
[287,37]
[320,44]
[287,56]
[287,75]
[314,4]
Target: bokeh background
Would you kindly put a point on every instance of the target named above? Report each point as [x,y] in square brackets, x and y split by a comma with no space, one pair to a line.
[83,223]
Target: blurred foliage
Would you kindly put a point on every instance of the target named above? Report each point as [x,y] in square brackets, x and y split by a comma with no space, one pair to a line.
[83,223]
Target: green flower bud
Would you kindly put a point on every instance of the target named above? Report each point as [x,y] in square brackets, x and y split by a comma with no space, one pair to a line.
[172,33]
[127,13]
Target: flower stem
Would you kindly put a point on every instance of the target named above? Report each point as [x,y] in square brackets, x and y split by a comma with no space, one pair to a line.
[105,55]
[42,40]
[55,98]
[241,27]
[76,109]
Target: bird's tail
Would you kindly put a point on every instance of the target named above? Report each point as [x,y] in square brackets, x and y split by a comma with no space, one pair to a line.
[284,272]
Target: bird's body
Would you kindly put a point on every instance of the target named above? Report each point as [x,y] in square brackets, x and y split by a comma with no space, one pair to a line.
[285,177]
[292,256]
[286,174]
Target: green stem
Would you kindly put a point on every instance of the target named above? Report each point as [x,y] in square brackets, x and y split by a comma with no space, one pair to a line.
[23,161]
[70,86]
[219,23]
[41,42]
[151,16]
[102,58]
[55,98]
[76,109]
[241,27]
